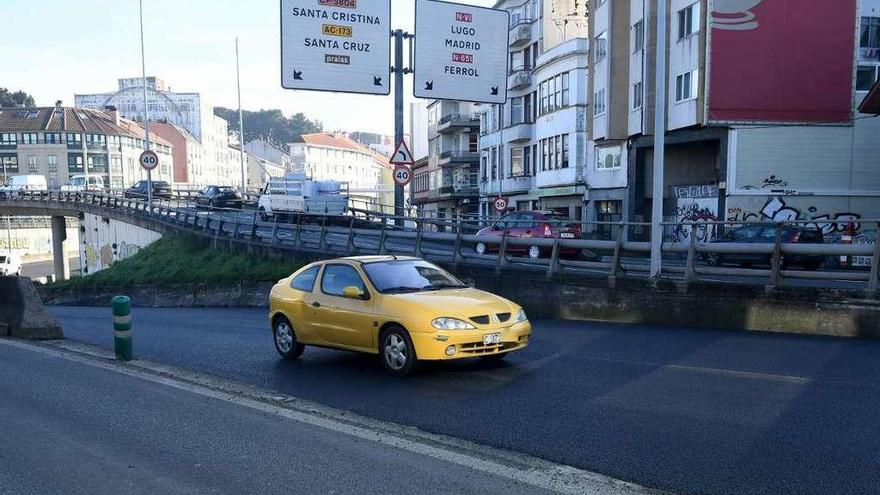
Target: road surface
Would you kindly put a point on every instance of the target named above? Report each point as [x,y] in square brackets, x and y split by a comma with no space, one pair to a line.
[72,428]
[689,411]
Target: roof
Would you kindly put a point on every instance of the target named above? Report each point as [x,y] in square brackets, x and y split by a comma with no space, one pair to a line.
[66,119]
[328,140]
[871,103]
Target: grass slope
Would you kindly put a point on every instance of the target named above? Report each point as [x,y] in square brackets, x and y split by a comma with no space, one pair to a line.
[182,259]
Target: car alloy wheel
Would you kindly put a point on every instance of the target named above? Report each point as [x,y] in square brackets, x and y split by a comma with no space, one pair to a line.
[285,340]
[397,351]
[534,252]
[481,248]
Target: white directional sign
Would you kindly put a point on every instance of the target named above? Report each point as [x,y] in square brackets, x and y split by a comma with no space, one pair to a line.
[402,155]
[461,52]
[336,45]
[149,160]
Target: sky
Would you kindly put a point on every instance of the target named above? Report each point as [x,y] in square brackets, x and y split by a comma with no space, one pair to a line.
[56,48]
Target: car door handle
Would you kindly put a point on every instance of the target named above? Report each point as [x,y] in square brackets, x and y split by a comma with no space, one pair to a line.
[316,304]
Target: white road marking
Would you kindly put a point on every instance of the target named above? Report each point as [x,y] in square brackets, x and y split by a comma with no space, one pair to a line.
[514,466]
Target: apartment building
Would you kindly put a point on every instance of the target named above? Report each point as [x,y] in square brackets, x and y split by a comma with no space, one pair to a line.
[212,160]
[327,156]
[58,142]
[446,184]
[534,149]
[761,110]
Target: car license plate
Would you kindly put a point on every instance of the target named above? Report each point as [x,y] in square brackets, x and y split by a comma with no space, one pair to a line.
[492,339]
[566,235]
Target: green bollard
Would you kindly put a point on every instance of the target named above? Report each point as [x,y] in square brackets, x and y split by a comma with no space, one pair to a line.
[122,326]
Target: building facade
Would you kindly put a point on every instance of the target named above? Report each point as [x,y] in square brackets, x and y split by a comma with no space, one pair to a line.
[451,172]
[534,149]
[745,138]
[211,159]
[58,142]
[325,156]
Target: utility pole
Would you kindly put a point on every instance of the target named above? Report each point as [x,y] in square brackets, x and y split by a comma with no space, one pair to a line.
[8,226]
[240,120]
[146,110]
[659,144]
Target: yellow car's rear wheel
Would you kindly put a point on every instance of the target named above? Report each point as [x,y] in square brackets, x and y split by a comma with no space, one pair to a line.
[397,352]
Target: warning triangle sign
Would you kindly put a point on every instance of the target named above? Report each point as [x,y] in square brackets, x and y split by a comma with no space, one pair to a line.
[402,155]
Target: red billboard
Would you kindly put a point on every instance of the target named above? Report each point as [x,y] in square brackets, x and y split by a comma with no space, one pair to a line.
[781,60]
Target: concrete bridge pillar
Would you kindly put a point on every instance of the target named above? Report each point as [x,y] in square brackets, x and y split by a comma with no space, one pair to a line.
[59,254]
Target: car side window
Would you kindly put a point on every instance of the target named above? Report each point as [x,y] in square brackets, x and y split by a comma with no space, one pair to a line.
[337,277]
[305,281]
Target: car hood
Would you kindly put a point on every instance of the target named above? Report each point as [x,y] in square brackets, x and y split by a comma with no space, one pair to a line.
[459,303]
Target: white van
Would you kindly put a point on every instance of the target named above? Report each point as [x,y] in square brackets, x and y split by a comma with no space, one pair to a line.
[77,183]
[22,183]
[10,265]
[295,194]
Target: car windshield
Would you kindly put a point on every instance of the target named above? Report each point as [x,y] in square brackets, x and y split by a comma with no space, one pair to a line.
[226,189]
[409,276]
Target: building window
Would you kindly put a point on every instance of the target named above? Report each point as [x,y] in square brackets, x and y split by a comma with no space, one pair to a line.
[601,48]
[554,93]
[74,163]
[638,36]
[563,78]
[870,32]
[688,21]
[29,138]
[599,103]
[516,110]
[9,163]
[607,211]
[8,139]
[545,152]
[527,161]
[637,96]
[685,86]
[32,164]
[529,108]
[52,137]
[564,163]
[484,167]
[608,158]
[516,162]
[866,76]
[52,161]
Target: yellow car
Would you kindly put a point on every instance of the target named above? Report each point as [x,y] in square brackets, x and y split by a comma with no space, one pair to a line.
[404,309]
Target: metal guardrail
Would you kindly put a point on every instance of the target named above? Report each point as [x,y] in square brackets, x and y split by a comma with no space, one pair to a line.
[455,240]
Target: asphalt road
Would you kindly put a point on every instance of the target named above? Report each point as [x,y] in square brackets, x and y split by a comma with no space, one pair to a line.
[690,411]
[69,427]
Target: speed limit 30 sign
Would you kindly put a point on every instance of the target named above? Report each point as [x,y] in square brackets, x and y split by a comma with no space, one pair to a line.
[149,160]
[402,175]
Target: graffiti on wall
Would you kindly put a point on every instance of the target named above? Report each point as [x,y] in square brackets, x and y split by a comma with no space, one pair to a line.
[777,210]
[696,210]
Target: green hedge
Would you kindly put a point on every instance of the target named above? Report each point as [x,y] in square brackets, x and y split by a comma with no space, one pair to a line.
[183,259]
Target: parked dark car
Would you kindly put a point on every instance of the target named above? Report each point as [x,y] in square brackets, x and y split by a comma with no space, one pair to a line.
[529,224]
[766,234]
[161,189]
[219,197]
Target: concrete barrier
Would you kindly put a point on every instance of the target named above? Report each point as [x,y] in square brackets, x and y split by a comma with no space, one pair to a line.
[804,310]
[22,313]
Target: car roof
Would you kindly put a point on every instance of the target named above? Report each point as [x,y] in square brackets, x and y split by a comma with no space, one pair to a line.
[378,259]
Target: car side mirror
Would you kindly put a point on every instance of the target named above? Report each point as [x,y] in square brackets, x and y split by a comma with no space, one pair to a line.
[496,227]
[352,292]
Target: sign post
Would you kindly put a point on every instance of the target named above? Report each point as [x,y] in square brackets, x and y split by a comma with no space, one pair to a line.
[461,52]
[149,160]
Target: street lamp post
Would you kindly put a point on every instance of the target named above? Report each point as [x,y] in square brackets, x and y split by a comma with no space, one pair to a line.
[8,226]
[240,120]
[659,145]
[146,110]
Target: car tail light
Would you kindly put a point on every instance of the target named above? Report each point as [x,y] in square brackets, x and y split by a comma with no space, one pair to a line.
[548,232]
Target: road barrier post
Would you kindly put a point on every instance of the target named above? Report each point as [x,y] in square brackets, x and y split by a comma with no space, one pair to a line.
[122,338]
[875,264]
[351,248]
[776,263]
[690,273]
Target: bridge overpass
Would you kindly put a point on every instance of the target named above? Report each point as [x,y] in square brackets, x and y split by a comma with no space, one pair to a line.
[449,241]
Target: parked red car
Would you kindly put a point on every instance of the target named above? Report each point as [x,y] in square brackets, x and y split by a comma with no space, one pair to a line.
[529,224]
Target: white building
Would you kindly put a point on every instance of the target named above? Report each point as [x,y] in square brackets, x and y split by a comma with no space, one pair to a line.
[325,156]
[213,162]
[534,149]
[268,152]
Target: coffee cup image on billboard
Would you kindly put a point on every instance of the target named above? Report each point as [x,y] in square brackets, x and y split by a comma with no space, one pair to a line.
[735,15]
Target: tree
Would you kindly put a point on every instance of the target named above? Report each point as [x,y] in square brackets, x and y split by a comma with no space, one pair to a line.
[270,125]
[19,98]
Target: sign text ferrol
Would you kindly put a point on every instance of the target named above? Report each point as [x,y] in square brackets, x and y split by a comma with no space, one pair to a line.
[336,45]
[461,52]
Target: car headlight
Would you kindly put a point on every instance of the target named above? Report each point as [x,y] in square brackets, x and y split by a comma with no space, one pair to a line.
[520,317]
[451,324]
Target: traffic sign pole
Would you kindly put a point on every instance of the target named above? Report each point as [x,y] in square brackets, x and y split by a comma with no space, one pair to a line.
[399,71]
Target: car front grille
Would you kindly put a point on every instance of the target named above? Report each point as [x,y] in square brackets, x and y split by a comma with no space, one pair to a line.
[478,348]
[480,320]
[503,317]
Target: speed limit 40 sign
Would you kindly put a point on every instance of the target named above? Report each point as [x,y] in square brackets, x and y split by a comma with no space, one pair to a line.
[402,175]
[149,160]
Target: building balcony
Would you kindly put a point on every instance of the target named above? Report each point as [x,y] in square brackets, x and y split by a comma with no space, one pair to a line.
[519,77]
[521,33]
[456,192]
[457,157]
[455,121]
[509,186]
[518,132]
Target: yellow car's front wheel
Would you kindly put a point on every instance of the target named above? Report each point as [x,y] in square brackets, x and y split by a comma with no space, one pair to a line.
[285,339]
[397,351]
